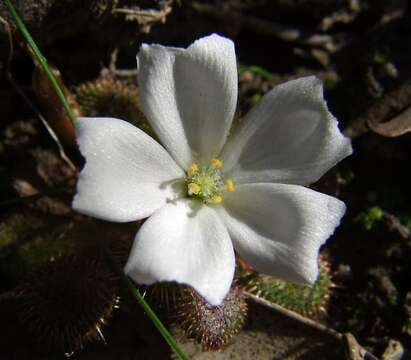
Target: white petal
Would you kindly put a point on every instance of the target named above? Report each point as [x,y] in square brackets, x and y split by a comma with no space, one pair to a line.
[185,241]
[279,228]
[289,136]
[127,175]
[189,96]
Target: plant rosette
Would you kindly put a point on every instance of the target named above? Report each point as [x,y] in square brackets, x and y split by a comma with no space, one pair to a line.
[209,192]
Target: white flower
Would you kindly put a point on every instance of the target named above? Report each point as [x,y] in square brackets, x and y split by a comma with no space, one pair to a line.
[212,192]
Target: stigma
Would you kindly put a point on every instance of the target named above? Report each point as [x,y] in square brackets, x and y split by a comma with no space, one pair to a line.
[207,183]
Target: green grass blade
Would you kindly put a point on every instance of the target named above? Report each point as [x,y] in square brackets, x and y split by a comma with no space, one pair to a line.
[40,58]
[148,310]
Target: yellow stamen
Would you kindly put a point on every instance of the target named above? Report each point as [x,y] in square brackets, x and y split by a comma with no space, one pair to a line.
[217,163]
[229,184]
[193,169]
[193,189]
[217,199]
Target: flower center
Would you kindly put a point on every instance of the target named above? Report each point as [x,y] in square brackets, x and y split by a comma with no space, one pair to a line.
[207,183]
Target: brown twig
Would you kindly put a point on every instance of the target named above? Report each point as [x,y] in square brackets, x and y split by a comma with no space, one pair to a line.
[264,27]
[345,16]
[354,350]
[397,126]
[10,38]
[389,116]
[146,17]
[112,69]
[394,223]
[295,316]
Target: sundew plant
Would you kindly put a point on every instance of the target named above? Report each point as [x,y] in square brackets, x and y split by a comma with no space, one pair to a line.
[199,179]
[210,191]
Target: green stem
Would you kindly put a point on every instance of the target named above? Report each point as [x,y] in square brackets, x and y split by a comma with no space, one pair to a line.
[148,310]
[41,59]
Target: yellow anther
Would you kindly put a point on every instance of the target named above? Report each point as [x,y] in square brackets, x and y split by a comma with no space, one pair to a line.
[229,184]
[193,169]
[217,199]
[193,188]
[217,163]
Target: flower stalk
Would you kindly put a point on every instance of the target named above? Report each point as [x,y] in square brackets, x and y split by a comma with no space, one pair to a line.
[148,310]
[127,283]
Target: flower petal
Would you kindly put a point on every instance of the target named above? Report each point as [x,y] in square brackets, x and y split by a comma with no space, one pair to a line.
[185,241]
[189,96]
[279,228]
[289,136]
[127,175]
